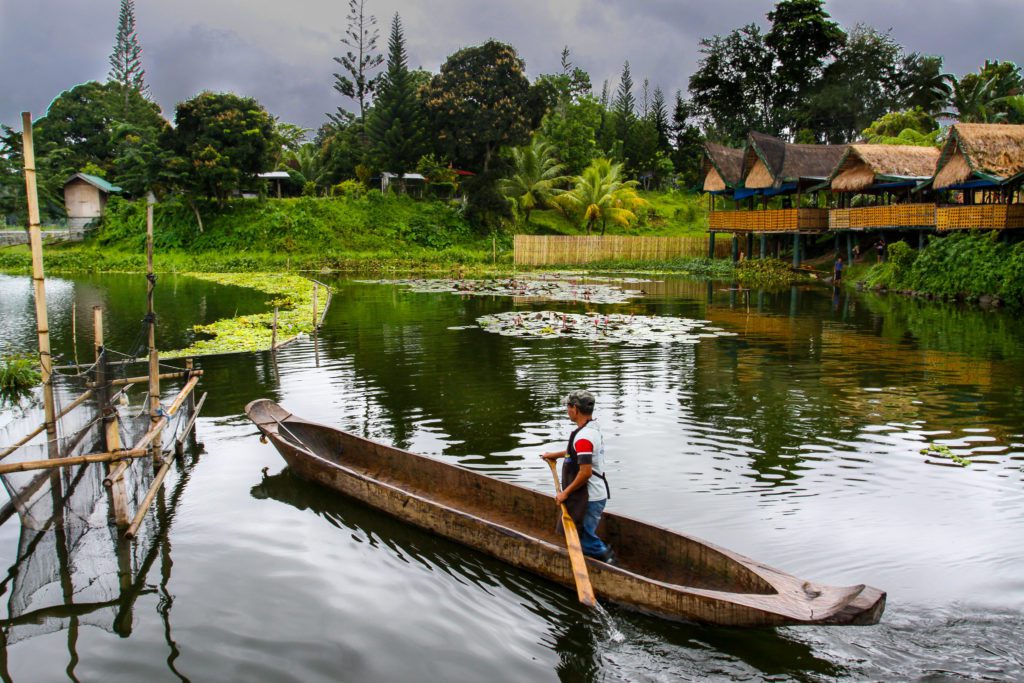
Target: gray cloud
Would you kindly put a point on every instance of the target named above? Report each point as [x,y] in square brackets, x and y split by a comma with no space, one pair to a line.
[281,53]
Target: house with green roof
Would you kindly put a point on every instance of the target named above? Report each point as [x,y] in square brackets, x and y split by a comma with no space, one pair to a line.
[84,198]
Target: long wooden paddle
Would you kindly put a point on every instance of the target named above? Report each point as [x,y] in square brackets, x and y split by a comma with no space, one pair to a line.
[584,590]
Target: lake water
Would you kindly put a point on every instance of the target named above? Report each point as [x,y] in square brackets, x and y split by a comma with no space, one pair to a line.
[795,442]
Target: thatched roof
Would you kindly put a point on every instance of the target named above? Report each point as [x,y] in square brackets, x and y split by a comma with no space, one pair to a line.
[990,151]
[767,157]
[722,167]
[811,161]
[864,165]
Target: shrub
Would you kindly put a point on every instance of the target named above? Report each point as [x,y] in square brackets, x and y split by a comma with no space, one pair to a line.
[18,374]
[901,256]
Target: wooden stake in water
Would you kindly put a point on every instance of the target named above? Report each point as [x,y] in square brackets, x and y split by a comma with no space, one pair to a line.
[154,358]
[273,333]
[39,282]
[316,318]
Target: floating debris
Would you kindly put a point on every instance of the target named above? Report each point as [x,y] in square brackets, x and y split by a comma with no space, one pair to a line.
[635,330]
[939,450]
[547,289]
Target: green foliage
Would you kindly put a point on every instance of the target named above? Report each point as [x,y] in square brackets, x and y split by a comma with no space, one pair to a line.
[126,59]
[902,257]
[962,265]
[601,195]
[908,127]
[18,374]
[480,101]
[222,141]
[535,173]
[572,129]
[352,189]
[292,295]
[766,272]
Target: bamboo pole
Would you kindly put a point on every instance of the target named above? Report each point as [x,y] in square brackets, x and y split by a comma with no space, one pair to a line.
[154,358]
[74,329]
[140,514]
[273,335]
[35,432]
[316,318]
[179,446]
[138,380]
[154,431]
[54,463]
[39,281]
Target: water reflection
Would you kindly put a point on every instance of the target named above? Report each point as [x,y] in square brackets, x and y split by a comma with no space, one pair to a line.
[585,642]
[796,442]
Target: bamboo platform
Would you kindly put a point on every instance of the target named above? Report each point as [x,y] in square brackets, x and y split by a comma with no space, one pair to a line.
[980,217]
[769,220]
[545,250]
[873,217]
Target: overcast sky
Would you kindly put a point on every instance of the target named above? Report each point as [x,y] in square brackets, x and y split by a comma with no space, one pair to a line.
[281,52]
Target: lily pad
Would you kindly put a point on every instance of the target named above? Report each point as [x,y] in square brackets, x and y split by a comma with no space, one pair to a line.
[548,289]
[634,330]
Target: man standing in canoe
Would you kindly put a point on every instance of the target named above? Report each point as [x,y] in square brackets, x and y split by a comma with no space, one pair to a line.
[584,487]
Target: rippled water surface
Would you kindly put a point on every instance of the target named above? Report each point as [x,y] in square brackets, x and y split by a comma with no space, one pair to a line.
[797,442]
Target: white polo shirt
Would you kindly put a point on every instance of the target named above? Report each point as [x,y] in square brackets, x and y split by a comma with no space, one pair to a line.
[589,445]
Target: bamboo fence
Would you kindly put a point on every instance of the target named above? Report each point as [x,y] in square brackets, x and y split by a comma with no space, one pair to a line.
[894,216]
[769,220]
[980,217]
[546,250]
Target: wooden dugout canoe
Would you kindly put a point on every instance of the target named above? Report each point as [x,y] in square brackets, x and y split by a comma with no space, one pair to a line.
[658,571]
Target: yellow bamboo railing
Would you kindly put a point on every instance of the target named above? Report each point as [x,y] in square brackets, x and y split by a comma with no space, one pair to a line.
[546,250]
[980,217]
[894,216]
[769,220]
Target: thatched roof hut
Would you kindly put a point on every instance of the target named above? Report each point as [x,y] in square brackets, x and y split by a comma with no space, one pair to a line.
[992,153]
[769,162]
[863,166]
[722,167]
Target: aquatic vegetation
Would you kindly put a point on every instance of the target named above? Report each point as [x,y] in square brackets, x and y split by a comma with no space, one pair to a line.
[939,450]
[551,289]
[291,294]
[634,330]
[18,374]
[767,272]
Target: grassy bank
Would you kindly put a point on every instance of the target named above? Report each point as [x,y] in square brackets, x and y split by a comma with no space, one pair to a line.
[967,266]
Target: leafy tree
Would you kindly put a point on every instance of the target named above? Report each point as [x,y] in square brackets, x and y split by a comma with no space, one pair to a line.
[397,123]
[573,132]
[733,87]
[863,83]
[360,60]
[342,149]
[599,195]
[480,101]
[126,59]
[535,173]
[687,143]
[221,141]
[919,76]
[802,39]
[909,127]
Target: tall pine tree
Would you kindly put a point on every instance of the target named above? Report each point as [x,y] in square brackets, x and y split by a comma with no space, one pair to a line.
[360,36]
[396,125]
[126,59]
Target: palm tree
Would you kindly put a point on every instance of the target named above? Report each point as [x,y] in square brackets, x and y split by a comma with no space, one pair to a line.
[304,165]
[535,175]
[601,194]
[972,99]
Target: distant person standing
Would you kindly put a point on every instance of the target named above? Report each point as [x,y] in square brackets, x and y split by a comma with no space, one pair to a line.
[856,253]
[837,276]
[584,487]
[880,249]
